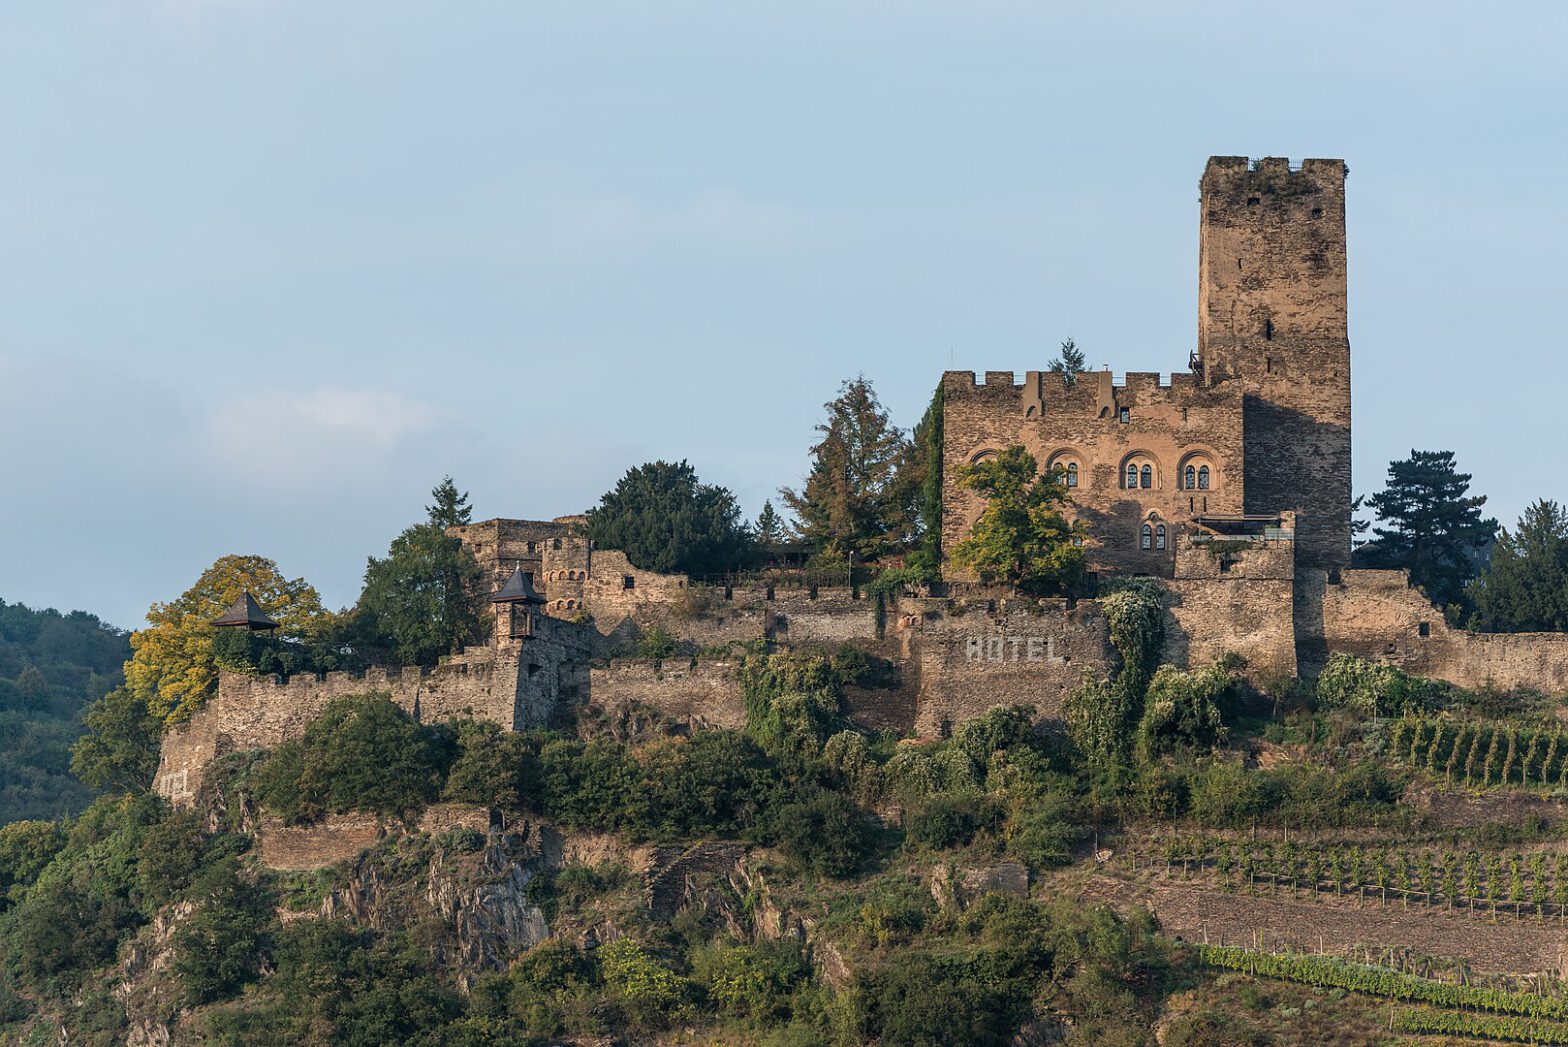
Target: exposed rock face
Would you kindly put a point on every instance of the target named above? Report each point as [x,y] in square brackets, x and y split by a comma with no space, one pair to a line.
[487,908]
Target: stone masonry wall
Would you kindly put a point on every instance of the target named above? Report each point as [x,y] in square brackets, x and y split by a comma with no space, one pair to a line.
[706,694]
[1167,427]
[971,660]
[1379,616]
[1272,319]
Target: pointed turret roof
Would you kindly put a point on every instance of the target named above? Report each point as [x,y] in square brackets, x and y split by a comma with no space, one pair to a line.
[518,589]
[246,614]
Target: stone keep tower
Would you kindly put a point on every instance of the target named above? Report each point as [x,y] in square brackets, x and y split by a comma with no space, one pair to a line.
[1272,315]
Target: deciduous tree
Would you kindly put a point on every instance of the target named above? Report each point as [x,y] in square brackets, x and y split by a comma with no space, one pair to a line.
[1021,536]
[174,667]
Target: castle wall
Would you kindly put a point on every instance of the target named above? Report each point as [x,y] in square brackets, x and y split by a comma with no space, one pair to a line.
[1167,427]
[1377,615]
[971,660]
[704,695]
[515,684]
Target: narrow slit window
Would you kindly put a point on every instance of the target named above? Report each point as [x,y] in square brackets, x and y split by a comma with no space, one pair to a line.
[1124,415]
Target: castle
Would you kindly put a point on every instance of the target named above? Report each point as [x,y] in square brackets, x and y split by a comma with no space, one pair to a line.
[1229,483]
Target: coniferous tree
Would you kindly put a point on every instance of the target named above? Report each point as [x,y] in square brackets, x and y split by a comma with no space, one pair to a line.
[418,601]
[1429,525]
[769,529]
[1069,363]
[451,508]
[1525,586]
[665,519]
[861,495]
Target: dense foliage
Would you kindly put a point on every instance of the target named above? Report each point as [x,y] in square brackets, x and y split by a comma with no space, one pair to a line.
[174,669]
[52,666]
[861,494]
[1429,524]
[1525,585]
[1021,538]
[418,603]
[665,519]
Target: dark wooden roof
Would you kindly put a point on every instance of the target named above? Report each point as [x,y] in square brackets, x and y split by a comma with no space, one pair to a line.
[246,614]
[518,589]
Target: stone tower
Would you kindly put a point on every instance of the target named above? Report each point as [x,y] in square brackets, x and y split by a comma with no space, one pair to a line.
[1272,315]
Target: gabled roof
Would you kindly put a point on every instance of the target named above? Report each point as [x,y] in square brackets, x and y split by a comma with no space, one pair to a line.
[246,614]
[518,589]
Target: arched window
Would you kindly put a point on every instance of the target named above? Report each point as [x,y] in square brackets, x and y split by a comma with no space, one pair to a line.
[1132,476]
[1190,478]
[1203,478]
[1148,536]
[1072,474]
[1148,476]
[1159,537]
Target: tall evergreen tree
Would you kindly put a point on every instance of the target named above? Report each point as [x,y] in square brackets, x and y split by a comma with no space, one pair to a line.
[418,601]
[1069,362]
[1525,586]
[451,508]
[665,519]
[861,495]
[1430,525]
[769,528]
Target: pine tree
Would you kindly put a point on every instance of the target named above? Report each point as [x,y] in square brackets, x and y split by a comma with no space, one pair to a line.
[1429,525]
[1525,586]
[1068,363]
[861,496]
[451,508]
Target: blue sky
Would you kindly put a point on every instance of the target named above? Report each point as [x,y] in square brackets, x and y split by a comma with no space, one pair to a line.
[268,269]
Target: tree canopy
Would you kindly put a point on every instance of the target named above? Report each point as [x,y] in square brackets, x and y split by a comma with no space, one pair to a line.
[418,602]
[1021,536]
[174,667]
[1430,525]
[665,519]
[1525,586]
[862,494]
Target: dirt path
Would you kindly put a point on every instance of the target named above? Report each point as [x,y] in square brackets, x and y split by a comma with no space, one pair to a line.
[1191,912]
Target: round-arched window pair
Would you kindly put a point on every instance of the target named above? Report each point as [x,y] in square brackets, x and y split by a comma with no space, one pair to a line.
[1196,478]
[1139,476]
[1153,537]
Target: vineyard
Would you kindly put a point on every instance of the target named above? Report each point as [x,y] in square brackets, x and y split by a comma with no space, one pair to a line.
[1468,1010]
[1483,753]
[1521,884]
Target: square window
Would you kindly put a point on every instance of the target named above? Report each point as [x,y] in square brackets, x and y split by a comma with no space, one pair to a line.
[628,582]
[1424,629]
[1125,414]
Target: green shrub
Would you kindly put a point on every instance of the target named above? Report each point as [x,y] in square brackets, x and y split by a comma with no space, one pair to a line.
[363,753]
[821,832]
[1184,711]
[219,948]
[1369,689]
[1043,830]
[943,822]
[26,848]
[651,993]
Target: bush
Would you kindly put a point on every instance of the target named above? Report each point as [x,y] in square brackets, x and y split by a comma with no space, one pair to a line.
[219,948]
[26,848]
[944,822]
[1368,689]
[363,753]
[1184,711]
[1042,830]
[821,832]
[494,768]
[754,981]
[651,993]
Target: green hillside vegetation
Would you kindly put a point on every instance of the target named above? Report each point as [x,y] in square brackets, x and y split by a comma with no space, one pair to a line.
[52,666]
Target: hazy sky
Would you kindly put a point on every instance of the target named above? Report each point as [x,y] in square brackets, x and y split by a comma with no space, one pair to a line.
[268,269]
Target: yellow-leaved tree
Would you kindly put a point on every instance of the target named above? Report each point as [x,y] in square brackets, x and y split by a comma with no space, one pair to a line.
[174,664]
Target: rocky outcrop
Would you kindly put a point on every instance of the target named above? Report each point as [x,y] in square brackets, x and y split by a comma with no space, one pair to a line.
[486,907]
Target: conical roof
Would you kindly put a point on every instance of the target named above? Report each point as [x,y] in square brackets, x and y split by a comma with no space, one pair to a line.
[246,614]
[518,589]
